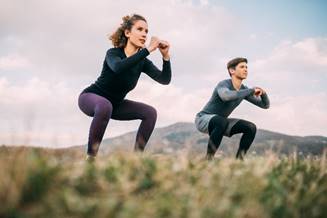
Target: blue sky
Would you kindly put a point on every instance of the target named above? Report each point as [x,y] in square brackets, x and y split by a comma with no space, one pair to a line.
[51,50]
[290,18]
[281,20]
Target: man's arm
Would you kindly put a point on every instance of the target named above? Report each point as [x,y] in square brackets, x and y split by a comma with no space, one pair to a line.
[226,94]
[261,101]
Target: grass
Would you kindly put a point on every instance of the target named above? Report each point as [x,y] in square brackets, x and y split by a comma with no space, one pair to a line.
[54,183]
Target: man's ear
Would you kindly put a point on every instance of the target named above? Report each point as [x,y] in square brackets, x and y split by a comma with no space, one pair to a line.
[231,71]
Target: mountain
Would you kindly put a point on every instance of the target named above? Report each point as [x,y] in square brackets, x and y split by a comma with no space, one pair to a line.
[183,137]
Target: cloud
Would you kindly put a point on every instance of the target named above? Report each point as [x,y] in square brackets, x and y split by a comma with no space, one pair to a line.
[172,103]
[35,110]
[75,42]
[59,47]
[294,75]
[307,55]
[13,62]
[295,115]
[305,59]
[253,36]
[298,97]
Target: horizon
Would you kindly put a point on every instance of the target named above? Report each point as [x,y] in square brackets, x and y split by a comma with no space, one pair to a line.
[134,131]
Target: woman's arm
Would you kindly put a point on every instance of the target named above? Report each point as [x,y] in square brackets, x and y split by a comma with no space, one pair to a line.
[163,76]
[118,65]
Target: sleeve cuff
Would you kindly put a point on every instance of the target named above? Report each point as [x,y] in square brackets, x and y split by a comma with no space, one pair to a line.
[145,50]
[251,91]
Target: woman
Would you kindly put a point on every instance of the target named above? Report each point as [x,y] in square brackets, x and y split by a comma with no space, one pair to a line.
[121,70]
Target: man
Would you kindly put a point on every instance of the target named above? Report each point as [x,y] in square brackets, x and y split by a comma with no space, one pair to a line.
[227,95]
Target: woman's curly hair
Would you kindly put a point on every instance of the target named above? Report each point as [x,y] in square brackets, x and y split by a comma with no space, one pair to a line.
[118,38]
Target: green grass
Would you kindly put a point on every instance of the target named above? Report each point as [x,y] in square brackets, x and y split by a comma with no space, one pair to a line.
[45,183]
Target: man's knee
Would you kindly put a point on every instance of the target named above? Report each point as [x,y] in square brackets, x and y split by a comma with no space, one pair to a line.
[217,123]
[251,128]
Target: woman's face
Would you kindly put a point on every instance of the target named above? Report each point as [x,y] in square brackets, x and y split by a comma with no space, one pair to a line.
[137,35]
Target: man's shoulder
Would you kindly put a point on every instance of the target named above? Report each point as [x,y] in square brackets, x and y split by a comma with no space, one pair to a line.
[224,83]
[243,86]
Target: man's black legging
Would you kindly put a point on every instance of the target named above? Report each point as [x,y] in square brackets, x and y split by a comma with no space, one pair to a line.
[217,127]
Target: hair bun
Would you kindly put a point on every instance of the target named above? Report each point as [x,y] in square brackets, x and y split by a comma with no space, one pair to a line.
[126,18]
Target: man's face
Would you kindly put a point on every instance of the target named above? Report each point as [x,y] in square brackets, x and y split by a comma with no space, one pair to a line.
[241,71]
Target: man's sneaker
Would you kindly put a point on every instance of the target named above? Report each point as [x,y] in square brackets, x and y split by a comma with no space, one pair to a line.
[240,154]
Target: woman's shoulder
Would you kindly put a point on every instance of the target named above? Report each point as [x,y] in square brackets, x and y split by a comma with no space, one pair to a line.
[115,51]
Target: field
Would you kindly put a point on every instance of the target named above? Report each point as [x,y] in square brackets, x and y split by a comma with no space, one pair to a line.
[59,183]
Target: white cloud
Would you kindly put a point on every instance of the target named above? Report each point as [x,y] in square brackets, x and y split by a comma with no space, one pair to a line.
[295,115]
[13,62]
[74,43]
[62,45]
[253,36]
[172,103]
[308,56]
[36,110]
[298,98]
[294,75]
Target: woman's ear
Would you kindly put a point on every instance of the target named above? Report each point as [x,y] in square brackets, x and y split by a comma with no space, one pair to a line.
[127,33]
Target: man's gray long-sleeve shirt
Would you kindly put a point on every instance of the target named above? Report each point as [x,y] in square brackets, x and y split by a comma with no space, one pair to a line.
[225,98]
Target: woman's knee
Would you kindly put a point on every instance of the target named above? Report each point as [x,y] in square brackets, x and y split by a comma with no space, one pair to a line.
[84,105]
[151,113]
[103,110]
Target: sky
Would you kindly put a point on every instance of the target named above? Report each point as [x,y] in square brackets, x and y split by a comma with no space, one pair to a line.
[51,50]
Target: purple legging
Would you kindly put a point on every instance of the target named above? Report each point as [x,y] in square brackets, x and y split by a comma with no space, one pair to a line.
[101,109]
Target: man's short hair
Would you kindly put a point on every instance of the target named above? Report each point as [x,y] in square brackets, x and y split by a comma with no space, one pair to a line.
[234,62]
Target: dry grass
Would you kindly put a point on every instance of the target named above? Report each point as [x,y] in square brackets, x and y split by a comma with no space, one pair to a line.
[59,183]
